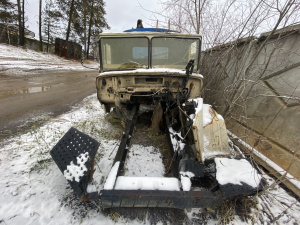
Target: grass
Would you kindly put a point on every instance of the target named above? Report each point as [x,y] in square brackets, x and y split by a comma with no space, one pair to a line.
[244,207]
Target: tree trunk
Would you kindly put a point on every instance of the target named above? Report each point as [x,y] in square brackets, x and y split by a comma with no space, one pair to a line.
[84,28]
[70,20]
[48,34]
[90,29]
[21,35]
[40,27]
[23,22]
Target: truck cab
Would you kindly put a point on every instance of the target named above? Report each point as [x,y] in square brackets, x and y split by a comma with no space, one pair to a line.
[141,65]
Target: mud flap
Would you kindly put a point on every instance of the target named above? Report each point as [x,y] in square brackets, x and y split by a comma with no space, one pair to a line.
[74,155]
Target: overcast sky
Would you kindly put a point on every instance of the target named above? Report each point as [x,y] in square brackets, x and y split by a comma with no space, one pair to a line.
[120,14]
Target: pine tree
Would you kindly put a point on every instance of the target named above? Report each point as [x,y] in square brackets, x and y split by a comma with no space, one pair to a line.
[40,26]
[21,20]
[90,23]
[52,16]
[97,21]
[7,12]
[85,20]
[69,10]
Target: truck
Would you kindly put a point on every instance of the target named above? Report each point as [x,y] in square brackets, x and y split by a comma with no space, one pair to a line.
[159,68]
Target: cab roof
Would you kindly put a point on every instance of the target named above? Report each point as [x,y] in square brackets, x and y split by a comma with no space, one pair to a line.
[141,32]
[160,30]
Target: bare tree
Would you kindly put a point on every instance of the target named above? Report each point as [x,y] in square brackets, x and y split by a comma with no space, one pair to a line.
[51,22]
[222,21]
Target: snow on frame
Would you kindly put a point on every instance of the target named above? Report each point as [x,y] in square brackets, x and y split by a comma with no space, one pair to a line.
[185,179]
[151,70]
[185,183]
[112,176]
[147,183]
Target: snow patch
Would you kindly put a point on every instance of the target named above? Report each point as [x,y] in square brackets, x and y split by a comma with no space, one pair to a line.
[177,144]
[220,117]
[187,174]
[234,171]
[76,171]
[185,178]
[19,61]
[91,188]
[144,161]
[186,183]
[269,162]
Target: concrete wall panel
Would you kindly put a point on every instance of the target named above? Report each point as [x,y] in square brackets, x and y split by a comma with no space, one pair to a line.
[258,93]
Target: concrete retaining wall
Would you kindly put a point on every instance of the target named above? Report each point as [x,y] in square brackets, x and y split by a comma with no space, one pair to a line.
[255,84]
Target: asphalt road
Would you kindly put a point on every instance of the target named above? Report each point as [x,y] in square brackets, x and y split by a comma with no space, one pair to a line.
[26,98]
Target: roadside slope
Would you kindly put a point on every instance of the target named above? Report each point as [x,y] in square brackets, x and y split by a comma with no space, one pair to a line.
[16,61]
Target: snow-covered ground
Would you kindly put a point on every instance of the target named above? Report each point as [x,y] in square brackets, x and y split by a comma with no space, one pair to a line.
[19,61]
[34,191]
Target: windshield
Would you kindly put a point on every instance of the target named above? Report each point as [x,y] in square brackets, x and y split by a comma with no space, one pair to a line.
[174,52]
[124,53]
[121,53]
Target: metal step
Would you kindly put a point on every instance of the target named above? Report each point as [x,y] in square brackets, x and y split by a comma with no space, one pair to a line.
[74,155]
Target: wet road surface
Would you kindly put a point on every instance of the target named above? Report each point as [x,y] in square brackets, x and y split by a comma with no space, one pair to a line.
[24,98]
